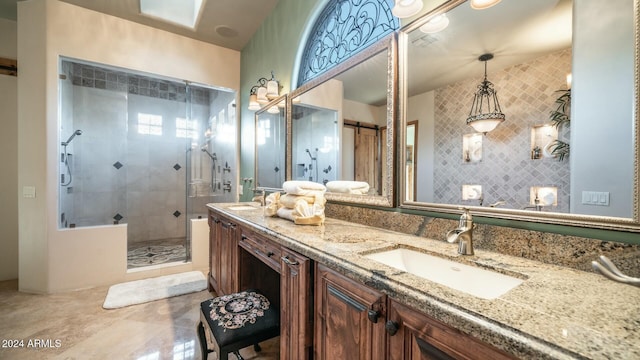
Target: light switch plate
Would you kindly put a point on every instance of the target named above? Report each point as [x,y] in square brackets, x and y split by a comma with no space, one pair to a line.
[29,191]
[599,198]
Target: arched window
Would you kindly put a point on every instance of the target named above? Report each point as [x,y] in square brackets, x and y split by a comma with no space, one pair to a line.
[343,28]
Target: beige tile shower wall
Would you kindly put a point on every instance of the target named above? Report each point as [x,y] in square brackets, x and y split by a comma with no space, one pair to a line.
[570,251]
[527,94]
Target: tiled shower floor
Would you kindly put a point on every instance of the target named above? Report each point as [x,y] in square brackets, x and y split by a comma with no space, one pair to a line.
[155,252]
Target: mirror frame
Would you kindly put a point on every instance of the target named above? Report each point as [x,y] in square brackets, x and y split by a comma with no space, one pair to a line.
[575,220]
[264,109]
[388,44]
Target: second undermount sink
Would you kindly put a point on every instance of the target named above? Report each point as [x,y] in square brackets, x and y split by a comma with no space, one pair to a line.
[241,207]
[472,280]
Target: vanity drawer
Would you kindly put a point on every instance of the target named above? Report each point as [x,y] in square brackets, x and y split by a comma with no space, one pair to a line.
[265,250]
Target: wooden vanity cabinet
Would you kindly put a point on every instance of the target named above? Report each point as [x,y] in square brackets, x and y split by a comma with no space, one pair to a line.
[296,316]
[223,255]
[354,321]
[414,335]
[349,318]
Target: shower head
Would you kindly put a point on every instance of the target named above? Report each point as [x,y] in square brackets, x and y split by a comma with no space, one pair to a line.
[212,156]
[309,152]
[75,133]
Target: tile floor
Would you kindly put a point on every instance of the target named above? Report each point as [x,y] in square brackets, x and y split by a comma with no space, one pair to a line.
[73,325]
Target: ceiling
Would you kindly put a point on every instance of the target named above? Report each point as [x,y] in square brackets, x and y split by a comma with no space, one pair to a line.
[226,23]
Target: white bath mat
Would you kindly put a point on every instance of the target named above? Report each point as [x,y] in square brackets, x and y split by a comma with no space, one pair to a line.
[142,291]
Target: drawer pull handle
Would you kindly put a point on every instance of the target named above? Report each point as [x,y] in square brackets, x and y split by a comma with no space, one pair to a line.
[288,261]
[373,316]
[270,254]
[392,327]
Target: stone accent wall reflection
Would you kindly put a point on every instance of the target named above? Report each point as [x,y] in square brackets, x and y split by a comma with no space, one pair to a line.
[527,94]
[568,251]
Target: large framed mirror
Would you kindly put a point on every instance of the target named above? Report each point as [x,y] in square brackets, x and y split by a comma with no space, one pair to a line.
[341,127]
[561,78]
[270,140]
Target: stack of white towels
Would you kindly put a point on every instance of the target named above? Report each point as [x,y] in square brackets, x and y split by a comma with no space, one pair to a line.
[302,202]
[348,187]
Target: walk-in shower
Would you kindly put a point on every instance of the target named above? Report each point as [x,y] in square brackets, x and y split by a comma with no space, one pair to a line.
[127,156]
[66,181]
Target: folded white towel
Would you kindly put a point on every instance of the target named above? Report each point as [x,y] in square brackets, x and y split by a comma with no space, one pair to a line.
[303,188]
[289,200]
[349,187]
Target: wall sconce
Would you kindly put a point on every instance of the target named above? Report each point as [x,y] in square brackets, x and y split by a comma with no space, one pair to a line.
[263,92]
[483,4]
[485,112]
[436,24]
[406,8]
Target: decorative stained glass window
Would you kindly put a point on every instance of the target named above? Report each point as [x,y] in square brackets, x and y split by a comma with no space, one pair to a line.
[343,28]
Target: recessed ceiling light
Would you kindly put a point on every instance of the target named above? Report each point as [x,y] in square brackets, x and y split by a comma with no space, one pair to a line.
[180,12]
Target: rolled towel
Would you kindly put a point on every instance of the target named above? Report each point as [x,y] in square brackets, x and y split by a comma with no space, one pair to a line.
[348,187]
[289,200]
[286,213]
[307,214]
[272,204]
[303,188]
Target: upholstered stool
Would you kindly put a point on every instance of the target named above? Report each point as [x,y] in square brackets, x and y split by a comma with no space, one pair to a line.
[231,322]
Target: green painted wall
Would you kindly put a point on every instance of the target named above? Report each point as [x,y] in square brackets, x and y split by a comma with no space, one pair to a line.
[273,48]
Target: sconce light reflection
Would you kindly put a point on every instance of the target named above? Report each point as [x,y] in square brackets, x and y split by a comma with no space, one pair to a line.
[406,8]
[483,4]
[436,24]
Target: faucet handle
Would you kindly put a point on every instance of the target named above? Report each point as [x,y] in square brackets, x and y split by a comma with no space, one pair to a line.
[466,220]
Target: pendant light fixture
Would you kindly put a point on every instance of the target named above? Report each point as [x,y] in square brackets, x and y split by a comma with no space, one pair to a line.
[485,112]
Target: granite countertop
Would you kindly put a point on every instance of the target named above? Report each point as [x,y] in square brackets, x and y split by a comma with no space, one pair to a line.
[556,313]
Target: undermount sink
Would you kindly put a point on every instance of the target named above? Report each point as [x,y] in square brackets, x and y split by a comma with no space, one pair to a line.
[472,280]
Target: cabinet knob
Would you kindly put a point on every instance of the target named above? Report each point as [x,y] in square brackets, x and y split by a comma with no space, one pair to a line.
[373,316]
[270,254]
[392,327]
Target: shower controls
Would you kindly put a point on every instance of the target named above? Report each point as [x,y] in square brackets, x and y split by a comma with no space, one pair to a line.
[226,186]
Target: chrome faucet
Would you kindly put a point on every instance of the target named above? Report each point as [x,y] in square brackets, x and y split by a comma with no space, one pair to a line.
[259,198]
[463,234]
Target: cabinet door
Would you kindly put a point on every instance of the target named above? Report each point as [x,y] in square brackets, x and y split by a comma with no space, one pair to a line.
[349,318]
[215,230]
[413,335]
[296,316]
[228,246]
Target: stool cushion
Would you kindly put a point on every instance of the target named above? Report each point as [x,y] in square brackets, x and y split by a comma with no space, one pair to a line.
[234,317]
